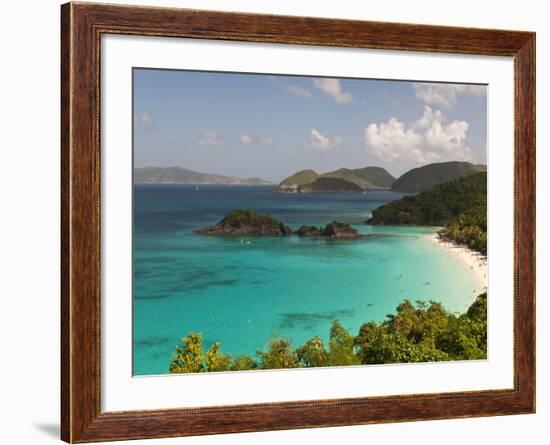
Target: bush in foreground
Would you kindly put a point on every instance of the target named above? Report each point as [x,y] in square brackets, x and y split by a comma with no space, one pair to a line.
[420,332]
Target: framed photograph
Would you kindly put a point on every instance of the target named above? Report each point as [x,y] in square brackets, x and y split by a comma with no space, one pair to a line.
[274,222]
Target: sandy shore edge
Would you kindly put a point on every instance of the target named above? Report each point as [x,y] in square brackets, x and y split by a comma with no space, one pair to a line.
[474,260]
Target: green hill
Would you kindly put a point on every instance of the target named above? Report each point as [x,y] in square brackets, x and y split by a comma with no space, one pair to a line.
[426,177]
[347,175]
[293,182]
[325,185]
[366,178]
[460,206]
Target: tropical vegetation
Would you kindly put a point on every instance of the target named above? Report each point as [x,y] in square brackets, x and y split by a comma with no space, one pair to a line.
[417,332]
[428,176]
[460,206]
[341,180]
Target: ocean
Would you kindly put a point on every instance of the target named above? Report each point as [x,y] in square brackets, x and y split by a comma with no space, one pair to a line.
[241,294]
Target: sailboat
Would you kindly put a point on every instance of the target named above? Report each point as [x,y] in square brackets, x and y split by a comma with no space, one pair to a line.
[364,191]
[197,188]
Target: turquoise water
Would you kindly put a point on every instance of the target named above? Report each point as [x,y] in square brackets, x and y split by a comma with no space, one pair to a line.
[242,294]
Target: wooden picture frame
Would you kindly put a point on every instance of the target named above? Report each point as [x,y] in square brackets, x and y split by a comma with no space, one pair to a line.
[82,26]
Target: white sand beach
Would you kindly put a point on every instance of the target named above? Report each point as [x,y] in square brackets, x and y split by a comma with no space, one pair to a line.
[474,260]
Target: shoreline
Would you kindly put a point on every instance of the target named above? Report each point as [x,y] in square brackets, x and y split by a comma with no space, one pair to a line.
[472,259]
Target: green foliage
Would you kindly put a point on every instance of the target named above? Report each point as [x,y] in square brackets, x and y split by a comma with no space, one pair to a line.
[341,346]
[189,357]
[215,360]
[419,332]
[243,363]
[244,222]
[367,177]
[443,204]
[466,337]
[459,205]
[313,354]
[348,175]
[428,176]
[243,217]
[335,229]
[327,184]
[378,177]
[425,332]
[300,178]
[279,355]
[470,230]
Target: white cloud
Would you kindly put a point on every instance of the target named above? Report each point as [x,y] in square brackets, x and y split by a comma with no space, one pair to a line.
[298,91]
[445,94]
[248,138]
[429,139]
[210,138]
[333,88]
[322,142]
[144,121]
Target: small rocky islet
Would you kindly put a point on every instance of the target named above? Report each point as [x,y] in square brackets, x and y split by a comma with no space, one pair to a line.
[244,222]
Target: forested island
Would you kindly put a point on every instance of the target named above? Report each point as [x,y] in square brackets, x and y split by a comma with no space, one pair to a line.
[420,332]
[460,206]
[341,180]
[243,222]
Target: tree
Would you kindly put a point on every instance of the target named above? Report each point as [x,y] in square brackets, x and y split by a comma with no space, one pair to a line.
[341,346]
[313,353]
[243,363]
[368,337]
[189,357]
[420,332]
[466,336]
[279,355]
[217,361]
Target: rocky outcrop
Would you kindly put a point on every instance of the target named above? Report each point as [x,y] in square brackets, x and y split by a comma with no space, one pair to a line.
[309,231]
[338,230]
[335,230]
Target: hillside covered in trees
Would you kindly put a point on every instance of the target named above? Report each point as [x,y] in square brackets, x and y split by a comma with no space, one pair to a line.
[428,176]
[341,180]
[460,206]
[421,332]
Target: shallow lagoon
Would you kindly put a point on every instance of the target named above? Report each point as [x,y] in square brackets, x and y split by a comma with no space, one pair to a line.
[242,294]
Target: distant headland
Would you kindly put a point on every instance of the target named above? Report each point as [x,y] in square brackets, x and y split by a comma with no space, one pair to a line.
[343,180]
[180,175]
[377,178]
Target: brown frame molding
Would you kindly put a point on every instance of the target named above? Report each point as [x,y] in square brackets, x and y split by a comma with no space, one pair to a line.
[82,25]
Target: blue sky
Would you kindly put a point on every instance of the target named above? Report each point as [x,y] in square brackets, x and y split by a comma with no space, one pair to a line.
[270,126]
